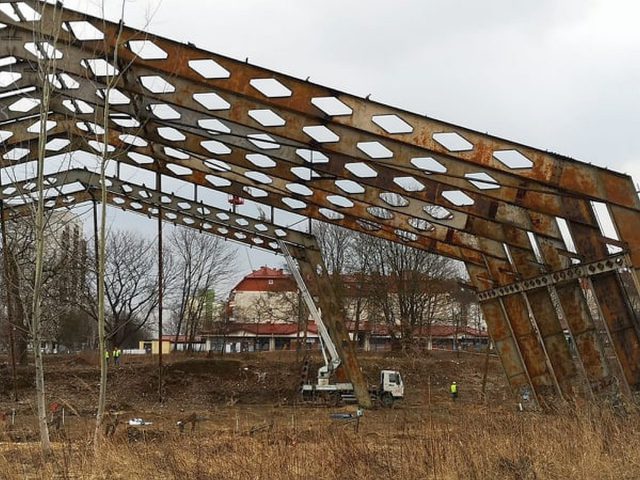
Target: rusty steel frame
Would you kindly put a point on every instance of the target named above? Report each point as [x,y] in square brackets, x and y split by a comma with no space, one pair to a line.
[507,207]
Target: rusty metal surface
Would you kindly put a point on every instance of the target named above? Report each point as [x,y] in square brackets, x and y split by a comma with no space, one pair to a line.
[499,328]
[546,168]
[312,266]
[392,195]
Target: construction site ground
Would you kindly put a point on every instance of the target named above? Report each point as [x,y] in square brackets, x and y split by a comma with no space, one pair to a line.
[251,423]
[212,383]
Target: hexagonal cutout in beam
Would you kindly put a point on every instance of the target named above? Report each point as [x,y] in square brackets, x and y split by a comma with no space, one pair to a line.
[452,141]
[512,159]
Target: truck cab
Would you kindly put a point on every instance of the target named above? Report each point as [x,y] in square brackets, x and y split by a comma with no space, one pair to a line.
[391,387]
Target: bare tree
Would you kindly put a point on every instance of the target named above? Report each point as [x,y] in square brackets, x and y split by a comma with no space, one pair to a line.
[202,263]
[131,289]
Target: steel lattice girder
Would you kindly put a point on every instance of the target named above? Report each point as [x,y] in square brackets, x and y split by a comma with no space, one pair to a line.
[509,200]
[142,199]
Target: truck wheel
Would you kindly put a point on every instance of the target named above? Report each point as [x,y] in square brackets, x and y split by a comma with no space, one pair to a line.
[386,400]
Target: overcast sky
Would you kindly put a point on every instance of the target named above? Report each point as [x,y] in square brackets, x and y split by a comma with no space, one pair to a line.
[562,75]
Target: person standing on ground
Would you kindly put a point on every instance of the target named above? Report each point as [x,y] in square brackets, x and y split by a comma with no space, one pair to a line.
[106,356]
[116,356]
[454,391]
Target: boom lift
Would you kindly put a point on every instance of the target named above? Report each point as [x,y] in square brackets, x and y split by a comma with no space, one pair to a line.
[329,384]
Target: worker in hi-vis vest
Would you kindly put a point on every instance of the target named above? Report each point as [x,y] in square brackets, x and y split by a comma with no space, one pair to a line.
[106,356]
[454,391]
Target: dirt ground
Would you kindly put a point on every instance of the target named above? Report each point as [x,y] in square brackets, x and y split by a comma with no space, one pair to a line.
[251,425]
[237,388]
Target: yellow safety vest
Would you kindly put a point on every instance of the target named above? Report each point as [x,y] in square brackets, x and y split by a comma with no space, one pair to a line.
[106,354]
[454,388]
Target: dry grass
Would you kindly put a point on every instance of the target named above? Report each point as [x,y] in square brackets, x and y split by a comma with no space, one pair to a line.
[453,442]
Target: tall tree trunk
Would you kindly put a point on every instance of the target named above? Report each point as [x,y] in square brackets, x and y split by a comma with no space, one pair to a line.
[36,307]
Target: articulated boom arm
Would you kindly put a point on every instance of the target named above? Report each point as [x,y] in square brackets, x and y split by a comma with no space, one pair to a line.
[325,339]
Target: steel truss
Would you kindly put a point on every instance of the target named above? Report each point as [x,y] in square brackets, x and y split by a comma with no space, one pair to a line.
[504,209]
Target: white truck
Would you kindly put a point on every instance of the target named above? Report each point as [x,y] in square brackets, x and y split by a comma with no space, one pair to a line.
[390,387]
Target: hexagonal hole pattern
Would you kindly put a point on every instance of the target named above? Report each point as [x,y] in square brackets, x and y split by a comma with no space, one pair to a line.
[133,140]
[211,101]
[340,201]
[164,111]
[114,96]
[85,31]
[369,226]
[321,134]
[139,158]
[5,135]
[260,160]
[24,105]
[35,128]
[420,224]
[293,203]
[452,141]
[482,180]
[361,170]
[312,156]
[374,150]
[16,154]
[100,146]
[270,87]
[349,186]
[217,181]
[215,147]
[156,84]
[392,124]
[217,165]
[174,153]
[7,78]
[213,125]
[394,199]
[63,81]
[512,159]
[409,184]
[258,177]
[437,212]
[124,120]
[406,236]
[209,69]
[179,169]
[428,164]
[263,141]
[332,106]
[267,118]
[458,198]
[331,214]
[29,14]
[100,67]
[147,50]
[380,212]
[57,144]
[299,189]
[304,173]
[77,106]
[171,134]
[90,127]
[255,192]
[44,50]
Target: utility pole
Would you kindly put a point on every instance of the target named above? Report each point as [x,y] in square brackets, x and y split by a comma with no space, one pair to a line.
[160,285]
[10,316]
